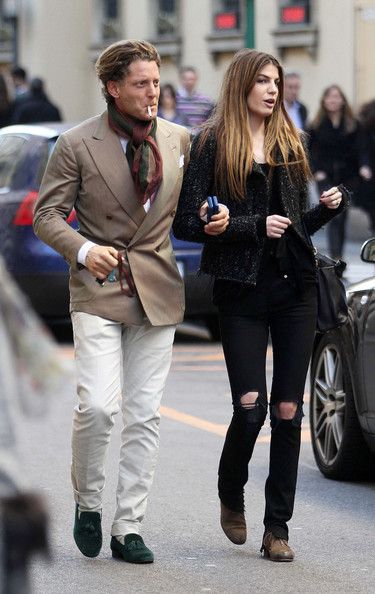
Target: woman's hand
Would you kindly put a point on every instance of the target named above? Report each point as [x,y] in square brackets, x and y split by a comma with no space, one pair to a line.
[365,172]
[219,222]
[331,198]
[276,226]
[320,176]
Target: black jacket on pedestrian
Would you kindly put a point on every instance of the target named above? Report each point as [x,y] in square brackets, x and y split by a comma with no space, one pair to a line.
[337,152]
[236,253]
[35,110]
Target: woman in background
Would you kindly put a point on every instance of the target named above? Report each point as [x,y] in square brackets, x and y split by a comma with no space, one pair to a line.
[337,155]
[5,103]
[366,194]
[167,106]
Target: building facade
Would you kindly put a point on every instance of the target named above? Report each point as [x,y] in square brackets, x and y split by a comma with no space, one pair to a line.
[59,40]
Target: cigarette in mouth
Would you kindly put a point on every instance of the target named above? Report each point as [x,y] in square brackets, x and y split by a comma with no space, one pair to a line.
[149,111]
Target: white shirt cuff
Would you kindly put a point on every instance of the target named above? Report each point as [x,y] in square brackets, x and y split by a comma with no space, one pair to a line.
[81,257]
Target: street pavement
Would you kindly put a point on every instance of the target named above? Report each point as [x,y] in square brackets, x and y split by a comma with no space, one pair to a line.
[331,531]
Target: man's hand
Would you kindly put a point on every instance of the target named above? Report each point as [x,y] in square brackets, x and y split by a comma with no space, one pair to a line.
[276,226]
[219,222]
[100,260]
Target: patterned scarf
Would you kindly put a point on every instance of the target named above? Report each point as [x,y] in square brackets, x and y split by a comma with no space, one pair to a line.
[142,152]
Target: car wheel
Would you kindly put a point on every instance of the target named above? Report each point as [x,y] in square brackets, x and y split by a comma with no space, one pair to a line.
[339,448]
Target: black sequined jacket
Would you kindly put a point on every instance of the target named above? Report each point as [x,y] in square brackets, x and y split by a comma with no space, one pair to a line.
[236,253]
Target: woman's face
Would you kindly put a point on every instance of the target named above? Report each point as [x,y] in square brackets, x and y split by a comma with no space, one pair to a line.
[333,101]
[262,98]
[168,101]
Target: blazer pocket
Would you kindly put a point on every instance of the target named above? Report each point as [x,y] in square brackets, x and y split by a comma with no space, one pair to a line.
[83,286]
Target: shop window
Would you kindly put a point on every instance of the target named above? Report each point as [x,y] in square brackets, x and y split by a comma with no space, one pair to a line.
[294,12]
[110,20]
[227,15]
[167,18]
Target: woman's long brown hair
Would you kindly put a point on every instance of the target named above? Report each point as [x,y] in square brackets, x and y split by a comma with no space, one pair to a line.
[346,112]
[230,124]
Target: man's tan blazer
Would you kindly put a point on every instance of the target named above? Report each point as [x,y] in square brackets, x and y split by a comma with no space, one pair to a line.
[88,170]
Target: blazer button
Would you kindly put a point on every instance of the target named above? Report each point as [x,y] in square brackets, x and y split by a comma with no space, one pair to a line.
[108,217]
[173,212]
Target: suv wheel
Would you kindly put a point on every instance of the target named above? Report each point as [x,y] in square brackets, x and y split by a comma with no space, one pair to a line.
[339,448]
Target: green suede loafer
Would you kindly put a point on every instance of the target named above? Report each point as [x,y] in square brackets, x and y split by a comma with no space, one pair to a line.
[87,532]
[133,550]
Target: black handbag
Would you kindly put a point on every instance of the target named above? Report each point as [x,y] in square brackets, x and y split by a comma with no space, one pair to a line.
[332,302]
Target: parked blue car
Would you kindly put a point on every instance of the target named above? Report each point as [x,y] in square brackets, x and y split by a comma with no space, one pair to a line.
[39,270]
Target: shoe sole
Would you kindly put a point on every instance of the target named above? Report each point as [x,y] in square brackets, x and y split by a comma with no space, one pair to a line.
[266,555]
[118,556]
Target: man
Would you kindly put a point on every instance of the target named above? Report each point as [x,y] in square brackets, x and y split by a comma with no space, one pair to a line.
[296,110]
[193,105]
[19,77]
[122,172]
[21,90]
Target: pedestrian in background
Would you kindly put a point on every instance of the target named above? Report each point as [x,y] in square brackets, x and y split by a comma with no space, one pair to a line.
[190,102]
[19,77]
[252,157]
[366,192]
[36,107]
[337,155]
[126,291]
[296,110]
[21,88]
[167,106]
[5,103]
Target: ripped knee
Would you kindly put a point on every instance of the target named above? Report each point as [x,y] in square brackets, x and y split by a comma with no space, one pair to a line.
[286,411]
[252,408]
[249,400]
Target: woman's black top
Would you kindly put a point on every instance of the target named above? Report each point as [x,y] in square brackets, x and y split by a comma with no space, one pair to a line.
[287,257]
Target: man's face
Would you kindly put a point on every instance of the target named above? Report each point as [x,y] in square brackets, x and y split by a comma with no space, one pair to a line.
[292,87]
[189,80]
[138,90]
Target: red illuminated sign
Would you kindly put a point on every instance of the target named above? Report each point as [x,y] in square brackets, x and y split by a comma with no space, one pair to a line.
[226,20]
[293,14]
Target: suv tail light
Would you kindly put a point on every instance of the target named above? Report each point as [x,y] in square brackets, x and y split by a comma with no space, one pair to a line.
[25,212]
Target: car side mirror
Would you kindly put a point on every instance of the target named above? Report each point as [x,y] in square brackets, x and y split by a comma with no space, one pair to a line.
[368,250]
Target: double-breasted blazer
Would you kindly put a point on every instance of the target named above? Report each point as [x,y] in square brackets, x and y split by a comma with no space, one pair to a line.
[88,171]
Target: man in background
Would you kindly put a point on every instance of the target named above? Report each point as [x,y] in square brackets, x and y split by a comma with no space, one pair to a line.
[296,110]
[195,106]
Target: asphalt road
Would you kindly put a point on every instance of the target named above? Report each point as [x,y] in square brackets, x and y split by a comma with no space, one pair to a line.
[331,531]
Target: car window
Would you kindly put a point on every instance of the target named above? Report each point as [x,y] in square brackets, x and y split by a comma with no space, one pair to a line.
[23,160]
[11,155]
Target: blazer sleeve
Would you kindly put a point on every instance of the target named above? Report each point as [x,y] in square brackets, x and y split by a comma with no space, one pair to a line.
[57,196]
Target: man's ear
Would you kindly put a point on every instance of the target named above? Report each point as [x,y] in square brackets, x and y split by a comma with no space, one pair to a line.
[112,88]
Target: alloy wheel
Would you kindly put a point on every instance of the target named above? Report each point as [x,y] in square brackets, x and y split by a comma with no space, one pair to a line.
[329,404]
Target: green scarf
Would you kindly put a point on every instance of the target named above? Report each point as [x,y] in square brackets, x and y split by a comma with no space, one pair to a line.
[142,152]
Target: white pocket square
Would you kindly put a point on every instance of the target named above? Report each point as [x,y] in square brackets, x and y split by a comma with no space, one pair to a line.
[182,158]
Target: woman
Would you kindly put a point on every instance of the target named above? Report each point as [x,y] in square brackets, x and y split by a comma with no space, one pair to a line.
[5,103]
[251,156]
[167,106]
[336,155]
[366,194]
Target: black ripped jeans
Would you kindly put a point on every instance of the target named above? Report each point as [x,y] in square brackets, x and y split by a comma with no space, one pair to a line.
[291,320]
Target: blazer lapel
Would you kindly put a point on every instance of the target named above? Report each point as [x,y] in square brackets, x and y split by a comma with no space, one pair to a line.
[170,155]
[106,150]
